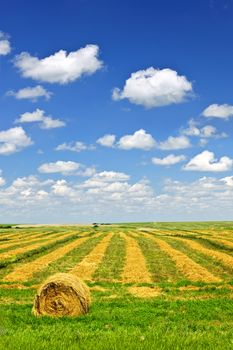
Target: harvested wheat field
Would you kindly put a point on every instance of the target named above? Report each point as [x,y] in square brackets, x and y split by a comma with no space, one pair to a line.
[143,276]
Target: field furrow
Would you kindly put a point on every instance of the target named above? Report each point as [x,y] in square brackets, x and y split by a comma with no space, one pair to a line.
[27,248]
[189,268]
[112,263]
[211,265]
[224,258]
[87,267]
[25,271]
[135,269]
[160,265]
[24,241]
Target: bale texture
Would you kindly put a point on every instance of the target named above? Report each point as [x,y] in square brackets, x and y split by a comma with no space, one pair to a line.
[62,294]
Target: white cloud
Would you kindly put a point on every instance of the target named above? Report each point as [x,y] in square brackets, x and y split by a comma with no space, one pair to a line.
[2,181]
[111,197]
[77,146]
[206,161]
[228,180]
[60,188]
[207,131]
[5,47]
[171,159]
[62,167]
[31,93]
[153,87]
[173,143]
[103,178]
[13,140]
[110,176]
[61,67]
[223,111]
[39,116]
[50,123]
[107,140]
[140,140]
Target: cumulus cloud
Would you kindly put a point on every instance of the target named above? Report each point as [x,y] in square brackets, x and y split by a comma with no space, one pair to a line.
[61,188]
[13,140]
[77,146]
[2,181]
[110,176]
[139,140]
[173,143]
[153,88]
[206,131]
[65,201]
[109,196]
[67,168]
[62,167]
[5,46]
[31,93]
[223,111]
[228,180]
[107,140]
[45,122]
[61,67]
[206,161]
[171,159]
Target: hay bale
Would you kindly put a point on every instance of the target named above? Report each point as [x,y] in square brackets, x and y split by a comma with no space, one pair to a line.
[62,294]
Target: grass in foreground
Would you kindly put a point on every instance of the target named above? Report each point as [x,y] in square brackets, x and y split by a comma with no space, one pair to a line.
[122,323]
[183,315]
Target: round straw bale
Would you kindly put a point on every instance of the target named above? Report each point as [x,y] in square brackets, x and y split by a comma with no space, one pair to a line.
[62,294]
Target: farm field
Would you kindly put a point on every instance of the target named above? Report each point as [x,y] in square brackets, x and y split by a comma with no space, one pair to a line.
[153,285]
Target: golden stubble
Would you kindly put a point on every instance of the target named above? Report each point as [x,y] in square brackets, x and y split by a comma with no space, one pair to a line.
[87,267]
[189,268]
[25,271]
[135,269]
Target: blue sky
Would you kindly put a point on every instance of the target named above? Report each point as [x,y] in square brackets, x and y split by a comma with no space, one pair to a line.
[116,111]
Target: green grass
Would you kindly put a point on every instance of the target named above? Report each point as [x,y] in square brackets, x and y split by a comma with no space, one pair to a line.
[161,267]
[113,261]
[177,319]
[68,261]
[124,323]
[213,266]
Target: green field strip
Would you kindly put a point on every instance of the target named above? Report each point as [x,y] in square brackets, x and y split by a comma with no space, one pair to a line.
[30,256]
[216,244]
[226,260]
[28,241]
[36,250]
[68,261]
[160,265]
[15,250]
[212,265]
[26,271]
[113,262]
[21,239]
[21,236]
